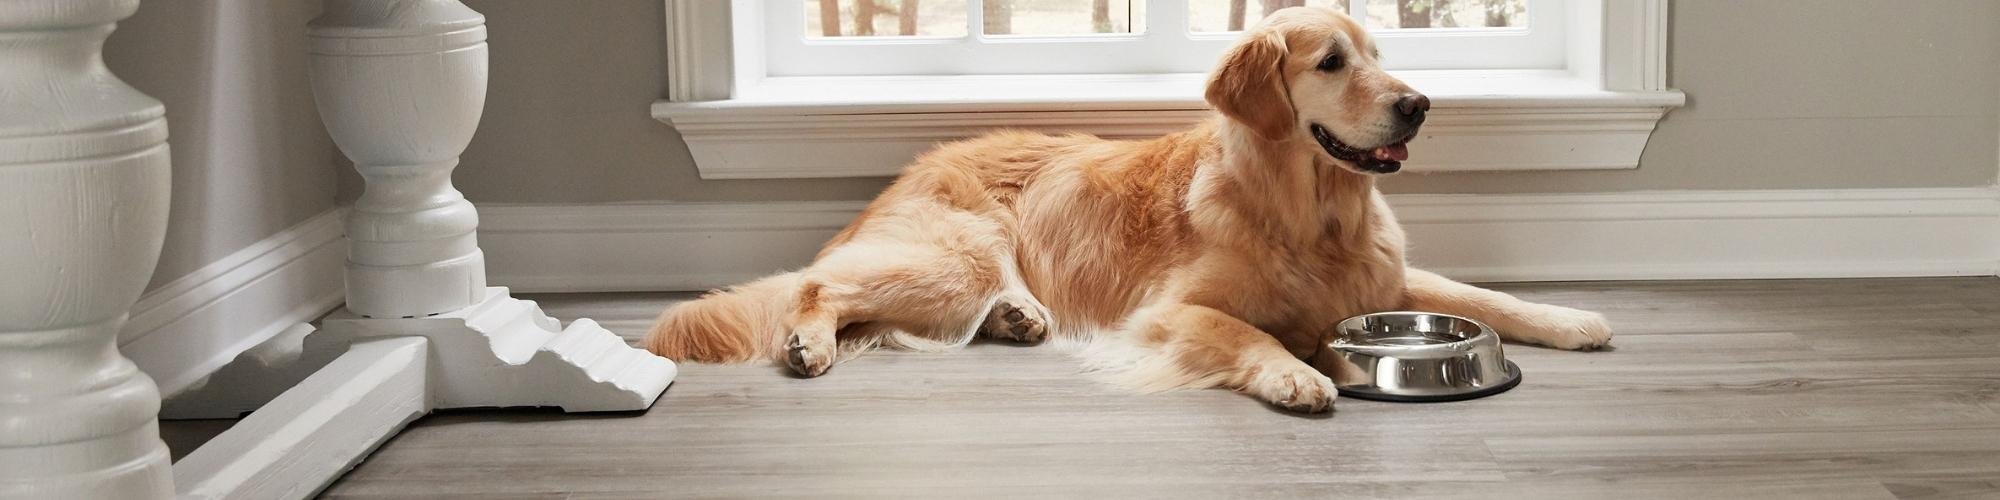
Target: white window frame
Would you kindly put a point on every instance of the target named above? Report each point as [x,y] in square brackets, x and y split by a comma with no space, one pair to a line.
[1167,46]
[740,122]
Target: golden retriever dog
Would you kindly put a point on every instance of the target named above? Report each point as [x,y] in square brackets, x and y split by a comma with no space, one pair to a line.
[1217,256]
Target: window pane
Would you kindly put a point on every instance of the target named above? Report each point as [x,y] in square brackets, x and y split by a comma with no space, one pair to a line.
[1419,14]
[1208,16]
[1063,17]
[927,18]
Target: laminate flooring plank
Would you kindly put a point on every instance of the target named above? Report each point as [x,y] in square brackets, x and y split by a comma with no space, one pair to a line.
[1875,388]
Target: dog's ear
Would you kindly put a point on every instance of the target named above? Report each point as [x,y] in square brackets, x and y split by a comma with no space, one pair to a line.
[1249,86]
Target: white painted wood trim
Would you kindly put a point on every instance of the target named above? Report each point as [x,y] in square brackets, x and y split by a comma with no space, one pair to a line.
[190,327]
[306,438]
[698,50]
[1631,55]
[254,378]
[1635,44]
[684,246]
[1469,135]
[505,352]
[345,389]
[1706,235]
[740,124]
[1603,236]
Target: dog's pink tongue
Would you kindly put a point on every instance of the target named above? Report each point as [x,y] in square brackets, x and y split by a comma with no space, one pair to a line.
[1398,152]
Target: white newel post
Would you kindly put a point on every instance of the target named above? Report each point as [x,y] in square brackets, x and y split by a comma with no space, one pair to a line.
[83,211]
[401,84]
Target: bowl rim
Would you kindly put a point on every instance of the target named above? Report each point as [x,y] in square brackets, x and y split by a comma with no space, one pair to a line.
[1339,336]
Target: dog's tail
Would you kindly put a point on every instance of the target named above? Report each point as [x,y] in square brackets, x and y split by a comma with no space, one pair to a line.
[731,326]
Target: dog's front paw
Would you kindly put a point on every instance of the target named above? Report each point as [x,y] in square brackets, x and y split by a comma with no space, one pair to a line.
[1574,329]
[1296,388]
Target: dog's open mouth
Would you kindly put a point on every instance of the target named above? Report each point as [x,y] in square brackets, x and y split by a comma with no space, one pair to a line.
[1383,160]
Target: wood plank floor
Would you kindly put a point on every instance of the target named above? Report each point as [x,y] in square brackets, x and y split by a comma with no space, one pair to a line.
[1883,388]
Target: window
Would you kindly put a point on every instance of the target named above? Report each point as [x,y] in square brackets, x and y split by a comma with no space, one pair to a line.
[854,88]
[936,37]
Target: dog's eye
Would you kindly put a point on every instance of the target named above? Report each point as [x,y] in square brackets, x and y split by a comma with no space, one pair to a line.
[1331,63]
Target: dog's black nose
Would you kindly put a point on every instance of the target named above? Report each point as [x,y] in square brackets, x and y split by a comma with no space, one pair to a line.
[1413,105]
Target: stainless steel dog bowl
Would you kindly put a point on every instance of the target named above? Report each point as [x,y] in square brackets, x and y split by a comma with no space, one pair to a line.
[1415,357]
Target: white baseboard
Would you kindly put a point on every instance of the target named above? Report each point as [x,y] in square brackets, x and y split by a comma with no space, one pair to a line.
[1606,236]
[185,330]
[668,246]
[1759,234]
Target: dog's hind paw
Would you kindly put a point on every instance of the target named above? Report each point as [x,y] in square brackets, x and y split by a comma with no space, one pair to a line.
[1016,320]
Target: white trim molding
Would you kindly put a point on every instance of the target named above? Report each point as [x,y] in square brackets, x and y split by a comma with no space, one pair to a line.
[679,246]
[1552,237]
[1634,57]
[740,123]
[1752,234]
[695,44]
[189,328]
[754,139]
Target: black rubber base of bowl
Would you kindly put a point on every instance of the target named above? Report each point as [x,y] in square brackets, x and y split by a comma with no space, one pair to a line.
[1400,398]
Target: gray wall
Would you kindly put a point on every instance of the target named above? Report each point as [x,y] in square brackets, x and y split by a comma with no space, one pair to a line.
[1804,94]
[1782,94]
[250,157]
[566,118]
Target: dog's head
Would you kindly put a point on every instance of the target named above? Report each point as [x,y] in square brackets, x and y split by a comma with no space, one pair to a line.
[1310,77]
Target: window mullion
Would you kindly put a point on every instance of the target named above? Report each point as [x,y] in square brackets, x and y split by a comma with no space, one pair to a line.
[975,19]
[1358,9]
[1167,17]
[1167,27]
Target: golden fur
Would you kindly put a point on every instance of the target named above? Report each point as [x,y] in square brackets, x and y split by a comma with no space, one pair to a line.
[1210,257]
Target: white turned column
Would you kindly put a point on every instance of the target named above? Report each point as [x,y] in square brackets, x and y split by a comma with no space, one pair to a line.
[83,210]
[401,84]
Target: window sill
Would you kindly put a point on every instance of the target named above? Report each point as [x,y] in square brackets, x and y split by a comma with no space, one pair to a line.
[821,127]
